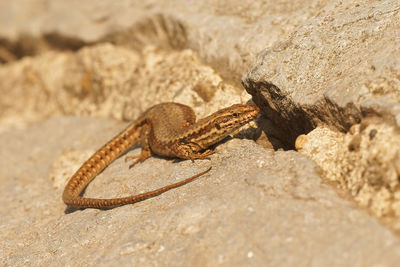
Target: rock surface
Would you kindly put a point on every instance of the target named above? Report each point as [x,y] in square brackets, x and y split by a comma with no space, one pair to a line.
[109,81]
[272,207]
[341,70]
[246,26]
[331,69]
[365,162]
[326,77]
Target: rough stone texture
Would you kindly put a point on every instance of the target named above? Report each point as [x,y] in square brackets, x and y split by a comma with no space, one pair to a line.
[329,63]
[272,207]
[365,162]
[109,81]
[245,27]
[339,67]
[331,69]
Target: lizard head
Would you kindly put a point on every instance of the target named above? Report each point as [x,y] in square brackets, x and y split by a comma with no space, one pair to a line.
[222,123]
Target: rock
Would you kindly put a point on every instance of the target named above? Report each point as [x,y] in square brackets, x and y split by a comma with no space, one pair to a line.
[226,35]
[109,81]
[331,70]
[364,162]
[341,71]
[326,77]
[272,207]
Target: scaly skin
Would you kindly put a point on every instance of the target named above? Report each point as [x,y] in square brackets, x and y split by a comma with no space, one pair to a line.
[166,129]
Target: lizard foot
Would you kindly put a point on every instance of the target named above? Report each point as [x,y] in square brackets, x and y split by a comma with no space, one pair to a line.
[139,158]
[204,155]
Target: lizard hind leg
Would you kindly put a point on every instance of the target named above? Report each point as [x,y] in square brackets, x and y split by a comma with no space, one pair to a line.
[144,142]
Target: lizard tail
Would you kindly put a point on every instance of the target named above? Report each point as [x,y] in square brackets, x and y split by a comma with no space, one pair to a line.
[101,159]
[82,202]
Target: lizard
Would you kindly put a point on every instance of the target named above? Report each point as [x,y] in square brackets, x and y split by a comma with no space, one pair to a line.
[166,129]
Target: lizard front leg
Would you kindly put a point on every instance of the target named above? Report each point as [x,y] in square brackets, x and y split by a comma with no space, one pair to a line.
[190,150]
[144,143]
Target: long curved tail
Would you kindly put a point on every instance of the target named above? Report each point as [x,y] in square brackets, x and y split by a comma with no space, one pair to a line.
[82,202]
[99,160]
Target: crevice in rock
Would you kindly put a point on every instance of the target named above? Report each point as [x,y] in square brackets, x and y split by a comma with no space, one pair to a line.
[291,120]
[29,45]
[24,45]
[355,146]
[159,30]
[61,42]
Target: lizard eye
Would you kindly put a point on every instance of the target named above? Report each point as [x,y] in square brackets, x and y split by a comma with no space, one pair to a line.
[235,114]
[218,126]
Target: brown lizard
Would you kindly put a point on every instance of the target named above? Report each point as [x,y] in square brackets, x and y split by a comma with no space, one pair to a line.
[167,129]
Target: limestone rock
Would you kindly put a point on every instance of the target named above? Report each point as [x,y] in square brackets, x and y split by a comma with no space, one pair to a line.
[364,162]
[331,70]
[272,207]
[109,81]
[326,77]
